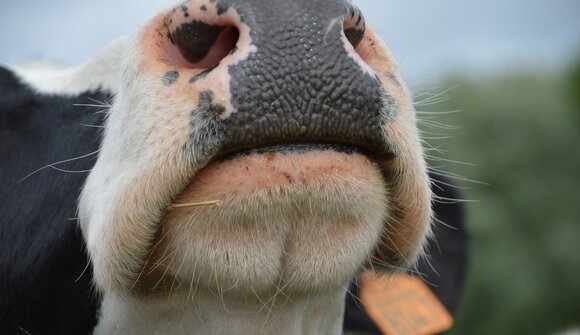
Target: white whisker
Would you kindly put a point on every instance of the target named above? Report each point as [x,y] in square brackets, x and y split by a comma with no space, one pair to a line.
[58,163]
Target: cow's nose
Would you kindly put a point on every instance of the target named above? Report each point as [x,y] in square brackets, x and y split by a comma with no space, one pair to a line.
[204,32]
[289,68]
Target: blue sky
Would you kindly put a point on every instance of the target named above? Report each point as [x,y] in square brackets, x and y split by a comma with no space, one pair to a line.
[427,37]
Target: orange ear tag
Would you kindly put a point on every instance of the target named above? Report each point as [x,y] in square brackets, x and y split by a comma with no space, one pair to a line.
[403,305]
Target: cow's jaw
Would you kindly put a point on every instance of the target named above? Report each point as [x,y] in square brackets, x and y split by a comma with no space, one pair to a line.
[209,312]
[297,218]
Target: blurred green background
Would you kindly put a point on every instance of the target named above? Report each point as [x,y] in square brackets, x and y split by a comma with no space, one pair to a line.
[520,131]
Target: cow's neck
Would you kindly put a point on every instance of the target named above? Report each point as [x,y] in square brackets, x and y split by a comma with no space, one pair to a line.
[209,313]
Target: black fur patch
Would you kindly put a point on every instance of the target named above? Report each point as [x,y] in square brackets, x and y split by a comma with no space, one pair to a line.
[194,151]
[207,106]
[45,280]
[201,75]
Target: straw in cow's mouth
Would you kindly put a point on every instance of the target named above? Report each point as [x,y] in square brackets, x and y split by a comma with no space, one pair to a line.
[196,204]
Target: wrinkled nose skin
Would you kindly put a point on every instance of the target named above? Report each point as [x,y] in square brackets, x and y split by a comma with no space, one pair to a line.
[300,79]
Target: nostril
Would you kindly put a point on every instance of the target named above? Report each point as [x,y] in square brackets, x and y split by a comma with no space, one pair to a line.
[199,45]
[354,26]
[353,36]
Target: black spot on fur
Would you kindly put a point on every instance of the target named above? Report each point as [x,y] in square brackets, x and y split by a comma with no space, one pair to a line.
[201,75]
[207,107]
[201,146]
[221,8]
[170,78]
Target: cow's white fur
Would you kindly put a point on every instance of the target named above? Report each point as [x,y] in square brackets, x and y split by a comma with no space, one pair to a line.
[211,313]
[141,169]
[101,72]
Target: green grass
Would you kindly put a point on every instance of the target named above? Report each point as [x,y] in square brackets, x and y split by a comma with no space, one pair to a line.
[522,132]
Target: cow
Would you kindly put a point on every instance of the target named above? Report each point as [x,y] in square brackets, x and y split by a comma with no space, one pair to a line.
[227,169]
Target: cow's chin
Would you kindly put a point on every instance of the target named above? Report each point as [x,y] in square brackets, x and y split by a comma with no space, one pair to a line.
[297,221]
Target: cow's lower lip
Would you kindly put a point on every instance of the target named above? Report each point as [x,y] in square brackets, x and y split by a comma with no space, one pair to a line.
[271,168]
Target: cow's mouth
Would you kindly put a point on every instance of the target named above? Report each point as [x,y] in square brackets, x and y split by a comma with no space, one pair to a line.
[282,210]
[298,148]
[267,166]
